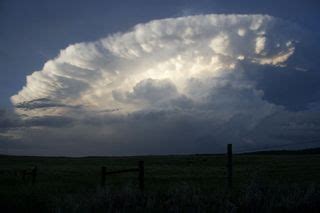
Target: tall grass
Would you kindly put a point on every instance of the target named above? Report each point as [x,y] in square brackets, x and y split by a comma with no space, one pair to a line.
[254,197]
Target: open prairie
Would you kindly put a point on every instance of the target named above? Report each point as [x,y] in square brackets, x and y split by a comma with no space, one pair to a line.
[181,183]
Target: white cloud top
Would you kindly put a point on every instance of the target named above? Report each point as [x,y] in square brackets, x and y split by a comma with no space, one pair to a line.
[157,62]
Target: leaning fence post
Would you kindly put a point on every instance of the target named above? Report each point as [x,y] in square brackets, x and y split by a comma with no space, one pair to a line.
[34,175]
[141,175]
[229,166]
[103,176]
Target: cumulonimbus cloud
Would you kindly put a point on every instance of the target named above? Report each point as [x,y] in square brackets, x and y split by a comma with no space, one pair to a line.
[193,69]
[159,60]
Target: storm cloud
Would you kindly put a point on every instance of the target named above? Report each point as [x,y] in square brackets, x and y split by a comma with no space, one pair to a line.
[177,85]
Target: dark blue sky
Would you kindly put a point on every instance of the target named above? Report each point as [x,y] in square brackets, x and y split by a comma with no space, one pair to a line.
[34,31]
[71,108]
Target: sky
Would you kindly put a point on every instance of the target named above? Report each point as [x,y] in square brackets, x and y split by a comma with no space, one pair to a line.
[157,77]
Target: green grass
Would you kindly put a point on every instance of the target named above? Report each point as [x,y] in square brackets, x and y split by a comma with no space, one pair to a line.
[190,183]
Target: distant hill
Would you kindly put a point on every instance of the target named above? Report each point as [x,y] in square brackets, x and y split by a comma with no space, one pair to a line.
[269,152]
[286,152]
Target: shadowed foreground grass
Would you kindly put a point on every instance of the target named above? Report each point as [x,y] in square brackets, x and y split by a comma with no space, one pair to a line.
[192,183]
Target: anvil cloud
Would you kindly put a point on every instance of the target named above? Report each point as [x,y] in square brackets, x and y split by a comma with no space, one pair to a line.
[188,84]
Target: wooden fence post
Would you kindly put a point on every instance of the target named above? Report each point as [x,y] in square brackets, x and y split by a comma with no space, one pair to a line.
[103,176]
[229,166]
[24,173]
[141,175]
[34,175]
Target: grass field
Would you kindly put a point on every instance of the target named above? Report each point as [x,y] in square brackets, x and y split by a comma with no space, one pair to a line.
[190,183]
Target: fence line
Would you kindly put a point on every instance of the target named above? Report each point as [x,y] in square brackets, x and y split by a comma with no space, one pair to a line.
[140,171]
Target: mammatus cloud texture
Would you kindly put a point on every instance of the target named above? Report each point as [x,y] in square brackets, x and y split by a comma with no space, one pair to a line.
[178,85]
